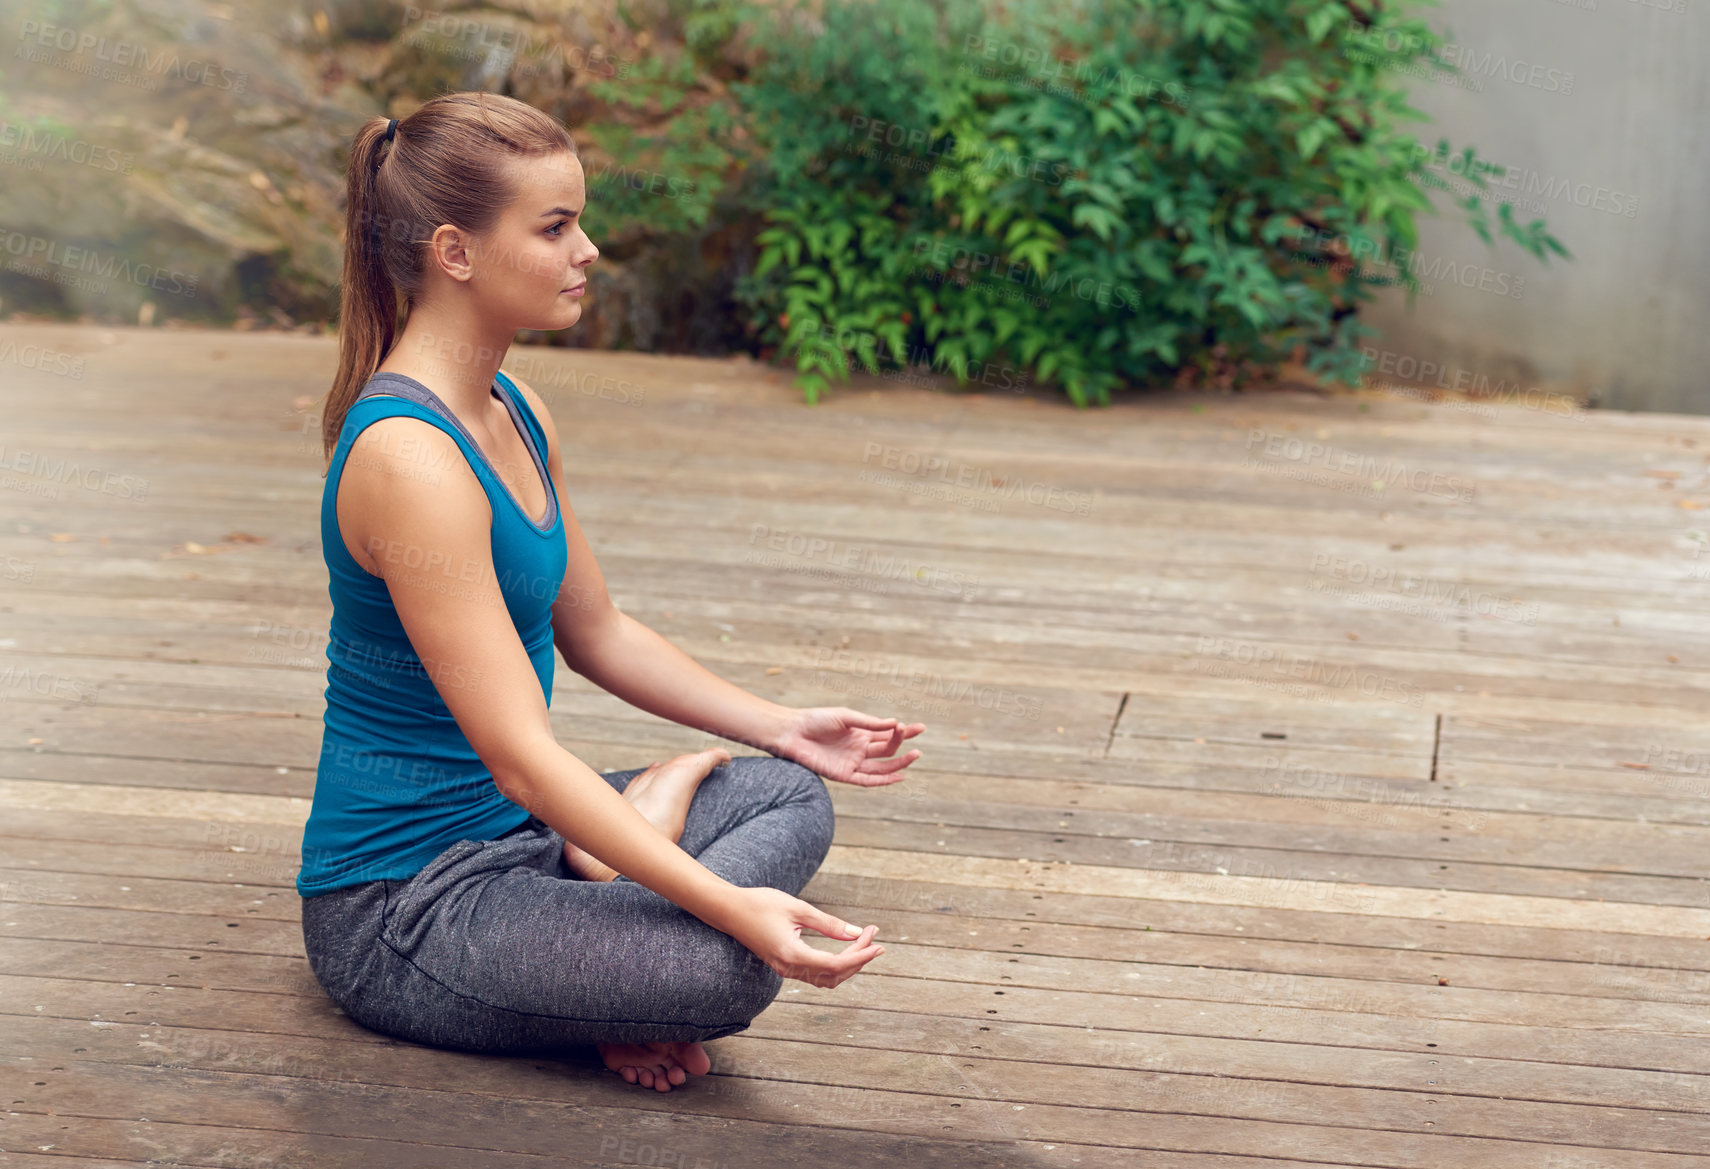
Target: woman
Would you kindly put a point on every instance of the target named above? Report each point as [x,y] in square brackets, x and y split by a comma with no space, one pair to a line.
[467,882]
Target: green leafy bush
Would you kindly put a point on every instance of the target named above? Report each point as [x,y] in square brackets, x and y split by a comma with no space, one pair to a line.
[1090,196]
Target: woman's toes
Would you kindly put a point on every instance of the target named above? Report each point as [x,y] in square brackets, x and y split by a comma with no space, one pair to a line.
[660,1066]
[693,1057]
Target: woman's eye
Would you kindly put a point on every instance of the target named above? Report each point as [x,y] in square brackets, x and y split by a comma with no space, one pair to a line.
[556,227]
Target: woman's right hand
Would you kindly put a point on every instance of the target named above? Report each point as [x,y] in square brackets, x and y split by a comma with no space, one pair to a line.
[770,923]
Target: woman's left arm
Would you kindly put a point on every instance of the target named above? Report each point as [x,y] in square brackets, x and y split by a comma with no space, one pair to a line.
[639,666]
[626,658]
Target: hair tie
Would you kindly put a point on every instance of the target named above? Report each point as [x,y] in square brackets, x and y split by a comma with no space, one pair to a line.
[391,125]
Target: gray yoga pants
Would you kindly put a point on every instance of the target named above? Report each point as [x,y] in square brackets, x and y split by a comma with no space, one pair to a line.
[496,947]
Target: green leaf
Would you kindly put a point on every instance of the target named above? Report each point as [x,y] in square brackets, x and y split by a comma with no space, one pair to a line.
[811,385]
[1036,252]
[1310,138]
[1319,23]
[1099,219]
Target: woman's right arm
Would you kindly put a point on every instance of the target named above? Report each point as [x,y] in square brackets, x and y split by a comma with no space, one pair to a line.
[562,790]
[410,500]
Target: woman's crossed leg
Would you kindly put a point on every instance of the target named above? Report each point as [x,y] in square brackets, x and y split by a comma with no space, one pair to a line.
[497,946]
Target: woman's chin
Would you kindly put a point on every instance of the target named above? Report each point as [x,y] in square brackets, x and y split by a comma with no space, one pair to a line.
[566,313]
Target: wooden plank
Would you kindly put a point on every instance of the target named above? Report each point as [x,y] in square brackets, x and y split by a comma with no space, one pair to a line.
[242,1148]
[88,567]
[1302,1060]
[451,1099]
[1344,811]
[1265,1055]
[1191,830]
[836,1024]
[319,1116]
[48,1160]
[1622,794]
[1613,967]
[1487,908]
[1111,987]
[1204,869]
[905,1112]
[1331,1013]
[1275,876]
[1493,957]
[1612,974]
[1168,650]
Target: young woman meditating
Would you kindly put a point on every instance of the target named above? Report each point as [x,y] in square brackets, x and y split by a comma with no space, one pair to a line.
[467,882]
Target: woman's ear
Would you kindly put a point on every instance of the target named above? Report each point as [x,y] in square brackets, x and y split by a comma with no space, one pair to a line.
[451,251]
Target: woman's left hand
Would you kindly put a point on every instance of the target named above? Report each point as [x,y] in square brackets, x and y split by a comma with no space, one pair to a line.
[846,745]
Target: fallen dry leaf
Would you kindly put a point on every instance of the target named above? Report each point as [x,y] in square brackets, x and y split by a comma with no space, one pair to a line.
[62,537]
[1688,504]
[770,670]
[1638,766]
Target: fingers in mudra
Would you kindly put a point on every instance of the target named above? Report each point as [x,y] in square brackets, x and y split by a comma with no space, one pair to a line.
[828,970]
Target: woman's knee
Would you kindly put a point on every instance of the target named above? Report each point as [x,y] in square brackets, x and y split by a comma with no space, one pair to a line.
[793,785]
[820,822]
[786,780]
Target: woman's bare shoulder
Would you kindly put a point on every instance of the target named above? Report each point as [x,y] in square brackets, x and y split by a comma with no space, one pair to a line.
[402,447]
[396,466]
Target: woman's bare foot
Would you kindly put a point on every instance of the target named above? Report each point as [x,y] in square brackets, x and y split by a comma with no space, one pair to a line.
[655,1065]
[662,794]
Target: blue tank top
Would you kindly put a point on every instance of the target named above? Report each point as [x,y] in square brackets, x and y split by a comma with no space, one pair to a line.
[397,782]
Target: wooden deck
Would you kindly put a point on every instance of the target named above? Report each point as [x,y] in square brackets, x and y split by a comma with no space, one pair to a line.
[1267,817]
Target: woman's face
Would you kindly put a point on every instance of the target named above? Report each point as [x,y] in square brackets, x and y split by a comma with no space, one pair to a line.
[534,263]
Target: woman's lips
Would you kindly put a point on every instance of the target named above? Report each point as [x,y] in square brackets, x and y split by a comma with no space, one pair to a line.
[576,291]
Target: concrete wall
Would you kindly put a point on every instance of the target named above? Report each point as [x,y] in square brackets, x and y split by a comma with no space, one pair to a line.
[1603,109]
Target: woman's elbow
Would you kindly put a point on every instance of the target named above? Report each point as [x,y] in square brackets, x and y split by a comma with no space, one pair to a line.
[580,636]
[517,769]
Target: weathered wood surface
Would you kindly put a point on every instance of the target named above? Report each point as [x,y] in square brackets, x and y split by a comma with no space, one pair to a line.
[1307,782]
